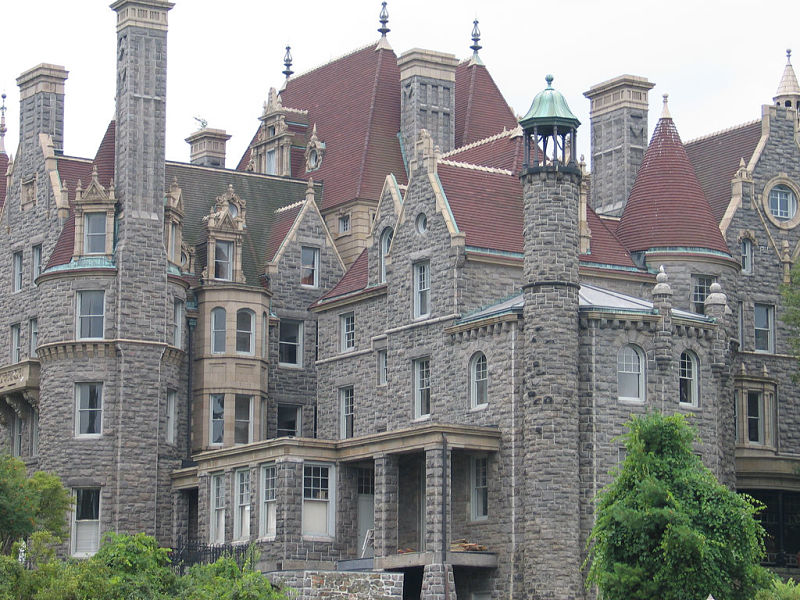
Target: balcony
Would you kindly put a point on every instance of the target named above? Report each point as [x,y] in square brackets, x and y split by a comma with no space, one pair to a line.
[19,378]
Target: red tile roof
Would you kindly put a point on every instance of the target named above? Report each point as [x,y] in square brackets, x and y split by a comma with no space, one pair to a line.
[354,280]
[355,103]
[481,110]
[715,159]
[502,151]
[71,170]
[104,159]
[286,218]
[667,207]
[604,248]
[3,168]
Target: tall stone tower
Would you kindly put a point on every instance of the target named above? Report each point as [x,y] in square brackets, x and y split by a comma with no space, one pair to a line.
[618,116]
[551,188]
[41,95]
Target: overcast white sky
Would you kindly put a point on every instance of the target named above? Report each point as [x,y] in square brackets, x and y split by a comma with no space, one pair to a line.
[718,60]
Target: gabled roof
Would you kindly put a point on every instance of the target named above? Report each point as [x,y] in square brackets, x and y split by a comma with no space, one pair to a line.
[285,218]
[481,110]
[715,159]
[354,280]
[355,103]
[667,207]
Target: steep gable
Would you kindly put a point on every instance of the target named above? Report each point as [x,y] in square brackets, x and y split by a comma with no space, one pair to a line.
[481,110]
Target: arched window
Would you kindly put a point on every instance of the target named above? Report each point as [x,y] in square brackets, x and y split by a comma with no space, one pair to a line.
[245,334]
[689,376]
[630,373]
[386,242]
[218,330]
[478,380]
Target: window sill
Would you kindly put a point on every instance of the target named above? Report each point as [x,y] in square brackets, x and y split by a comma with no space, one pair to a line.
[422,418]
[309,287]
[290,366]
[628,400]
[88,436]
[479,408]
[266,538]
[692,407]
[479,520]
[318,538]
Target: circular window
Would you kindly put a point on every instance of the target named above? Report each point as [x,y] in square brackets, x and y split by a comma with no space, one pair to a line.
[780,202]
[421,223]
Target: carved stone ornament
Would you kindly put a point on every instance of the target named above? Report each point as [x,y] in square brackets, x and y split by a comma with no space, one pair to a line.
[315,151]
[228,212]
[28,196]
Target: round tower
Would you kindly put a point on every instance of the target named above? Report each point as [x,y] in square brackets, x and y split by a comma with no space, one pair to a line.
[551,181]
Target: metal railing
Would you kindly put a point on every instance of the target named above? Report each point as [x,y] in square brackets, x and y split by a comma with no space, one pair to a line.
[192,552]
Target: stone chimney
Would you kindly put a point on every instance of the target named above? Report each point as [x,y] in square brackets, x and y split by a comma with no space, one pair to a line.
[618,116]
[41,110]
[427,97]
[208,147]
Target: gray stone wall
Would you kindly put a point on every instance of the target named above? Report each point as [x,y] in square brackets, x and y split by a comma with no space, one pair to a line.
[311,585]
[428,103]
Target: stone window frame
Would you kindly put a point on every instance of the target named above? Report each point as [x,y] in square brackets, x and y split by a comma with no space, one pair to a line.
[478,372]
[242,500]
[641,374]
[746,247]
[701,284]
[346,412]
[16,272]
[99,410]
[479,487]
[269,503]
[313,281]
[344,224]
[689,379]
[317,489]
[764,393]
[347,331]
[769,329]
[16,342]
[385,245]
[298,345]
[75,523]
[421,274]
[383,367]
[421,368]
[170,420]
[781,180]
[218,347]
[80,315]
[212,398]
[92,238]
[36,262]
[229,261]
[249,332]
[217,508]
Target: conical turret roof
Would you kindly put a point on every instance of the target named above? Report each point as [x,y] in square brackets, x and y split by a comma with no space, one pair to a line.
[788,87]
[667,207]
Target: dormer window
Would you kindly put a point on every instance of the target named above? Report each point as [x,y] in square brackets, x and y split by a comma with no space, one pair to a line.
[94,218]
[94,229]
[271,162]
[223,260]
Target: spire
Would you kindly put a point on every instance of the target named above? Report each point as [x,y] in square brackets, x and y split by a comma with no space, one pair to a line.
[788,93]
[383,43]
[287,62]
[476,37]
[665,111]
[3,126]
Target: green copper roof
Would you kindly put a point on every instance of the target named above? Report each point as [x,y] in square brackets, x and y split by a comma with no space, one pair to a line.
[549,108]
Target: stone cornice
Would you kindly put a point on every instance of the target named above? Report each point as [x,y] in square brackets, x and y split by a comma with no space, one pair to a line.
[69,349]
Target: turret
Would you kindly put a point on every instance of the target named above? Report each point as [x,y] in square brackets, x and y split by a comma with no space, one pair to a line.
[788,94]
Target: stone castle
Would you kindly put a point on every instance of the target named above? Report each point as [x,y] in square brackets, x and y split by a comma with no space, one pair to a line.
[404,334]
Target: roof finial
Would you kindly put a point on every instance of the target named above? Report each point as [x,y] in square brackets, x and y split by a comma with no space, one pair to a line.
[384,19]
[788,56]
[287,62]
[3,124]
[665,111]
[476,37]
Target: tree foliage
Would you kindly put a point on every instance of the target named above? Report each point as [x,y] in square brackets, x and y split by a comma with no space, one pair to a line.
[29,504]
[666,528]
[780,590]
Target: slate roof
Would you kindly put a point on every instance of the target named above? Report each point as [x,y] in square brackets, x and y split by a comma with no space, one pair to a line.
[284,219]
[355,103]
[481,110]
[715,159]
[503,150]
[354,280]
[667,207]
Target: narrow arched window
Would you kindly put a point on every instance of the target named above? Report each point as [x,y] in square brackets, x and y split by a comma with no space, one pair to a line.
[386,242]
[689,379]
[218,330]
[630,373]
[478,380]
[245,335]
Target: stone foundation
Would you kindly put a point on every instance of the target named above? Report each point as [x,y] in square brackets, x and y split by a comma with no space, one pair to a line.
[438,583]
[333,585]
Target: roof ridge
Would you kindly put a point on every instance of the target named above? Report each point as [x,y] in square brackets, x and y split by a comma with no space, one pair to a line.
[486,140]
[282,209]
[333,60]
[463,165]
[726,130]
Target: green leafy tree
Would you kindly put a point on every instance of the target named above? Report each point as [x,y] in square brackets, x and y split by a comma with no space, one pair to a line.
[29,504]
[780,590]
[666,528]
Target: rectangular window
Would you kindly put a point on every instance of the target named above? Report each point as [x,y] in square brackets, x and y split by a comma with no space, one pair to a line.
[347,331]
[177,323]
[422,387]
[86,522]
[173,239]
[317,501]
[700,290]
[309,266]
[243,429]
[33,337]
[755,417]
[217,430]
[36,261]
[241,518]
[16,435]
[747,256]
[88,409]
[245,331]
[170,425]
[223,260]
[741,325]
[383,367]
[344,224]
[422,285]
[217,529]
[16,279]
[290,348]
[346,412]
[479,488]
[764,327]
[269,479]
[218,330]
[94,233]
[271,168]
[289,420]
[91,314]
[16,341]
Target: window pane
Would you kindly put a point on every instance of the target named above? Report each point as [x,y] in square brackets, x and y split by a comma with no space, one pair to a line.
[242,417]
[287,420]
[308,268]
[218,330]
[217,418]
[95,238]
[87,504]
[289,347]
[244,330]
[90,314]
[223,260]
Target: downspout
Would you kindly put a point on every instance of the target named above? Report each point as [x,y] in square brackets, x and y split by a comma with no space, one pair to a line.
[188,462]
[513,454]
[444,516]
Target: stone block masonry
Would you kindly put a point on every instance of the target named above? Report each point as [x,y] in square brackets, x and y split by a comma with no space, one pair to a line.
[333,585]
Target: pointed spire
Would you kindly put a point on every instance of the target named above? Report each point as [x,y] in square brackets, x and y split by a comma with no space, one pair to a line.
[287,62]
[665,110]
[384,19]
[3,126]
[788,93]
